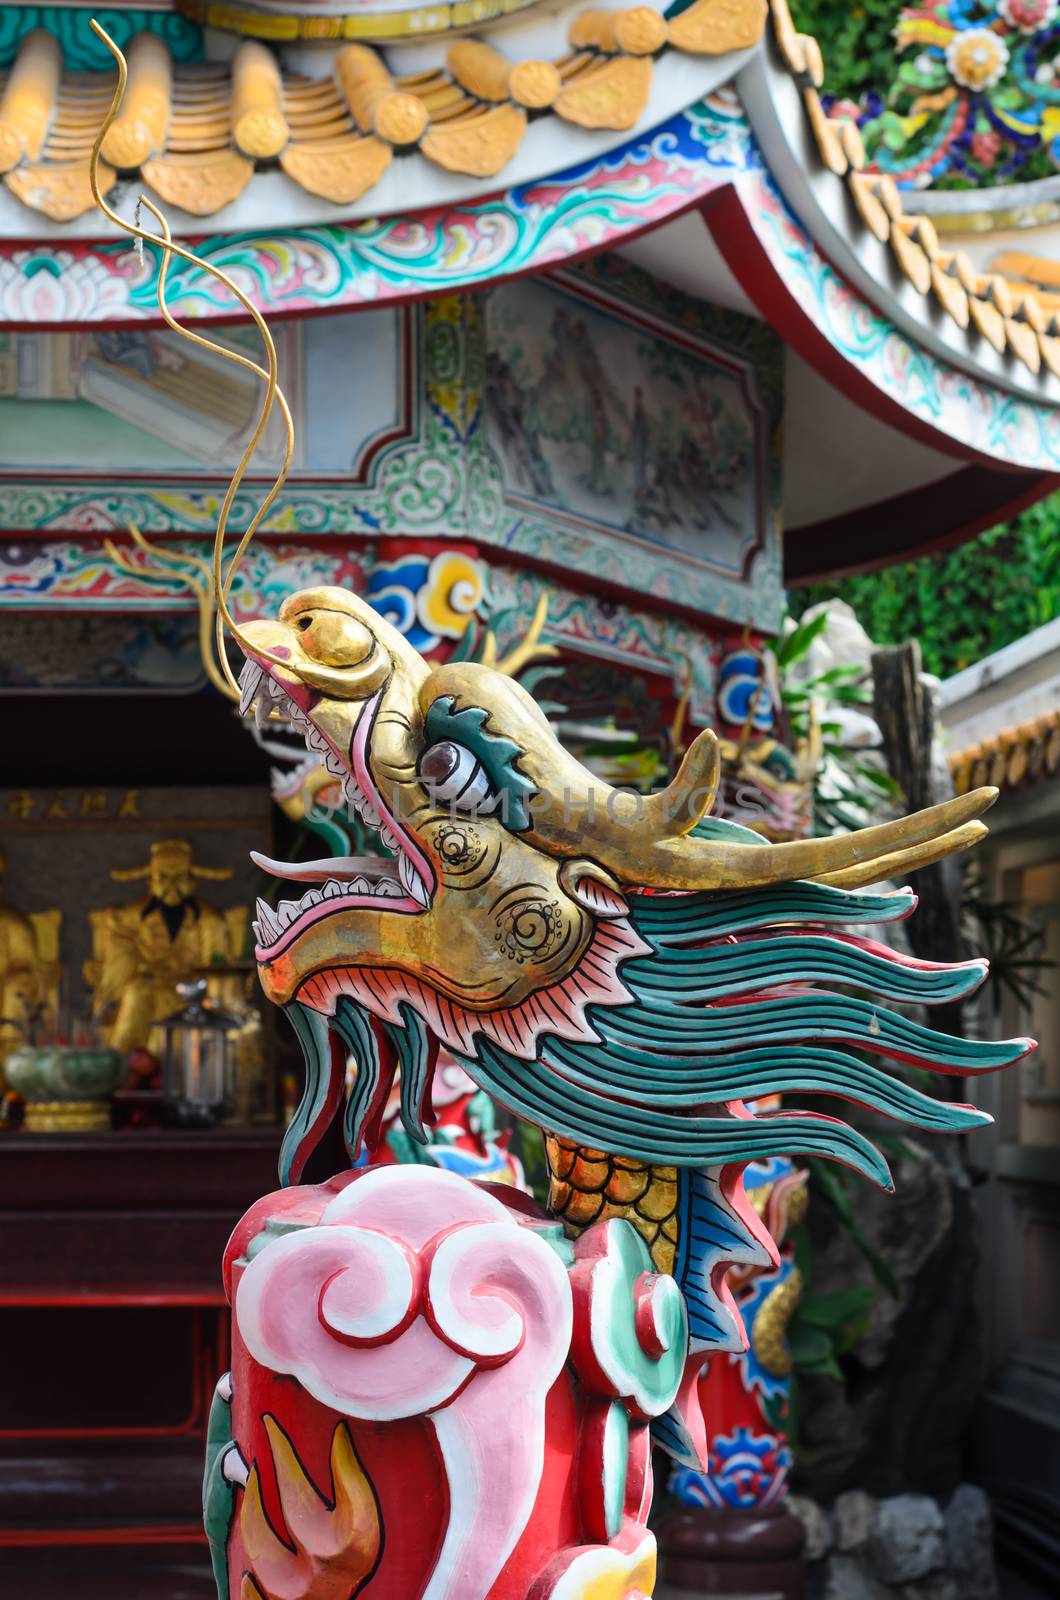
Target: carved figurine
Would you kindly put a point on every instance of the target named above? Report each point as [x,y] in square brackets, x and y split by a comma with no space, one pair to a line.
[142,950]
[29,972]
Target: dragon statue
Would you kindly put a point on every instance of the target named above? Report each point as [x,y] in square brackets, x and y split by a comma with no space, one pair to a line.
[626,973]
[439,1390]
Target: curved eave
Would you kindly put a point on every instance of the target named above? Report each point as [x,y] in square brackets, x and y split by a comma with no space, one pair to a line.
[953,455]
[634,184]
[410,187]
[1005,450]
[919,522]
[823,203]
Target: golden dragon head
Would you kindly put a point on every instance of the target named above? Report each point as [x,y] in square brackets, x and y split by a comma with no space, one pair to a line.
[508,858]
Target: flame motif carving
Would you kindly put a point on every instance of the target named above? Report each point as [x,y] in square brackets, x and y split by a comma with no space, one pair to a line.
[333,1546]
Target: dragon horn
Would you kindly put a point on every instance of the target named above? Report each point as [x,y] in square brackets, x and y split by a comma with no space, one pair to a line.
[529,647]
[654,842]
[847,860]
[676,809]
[903,861]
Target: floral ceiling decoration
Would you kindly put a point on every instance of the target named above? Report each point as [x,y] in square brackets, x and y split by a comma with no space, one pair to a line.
[975,97]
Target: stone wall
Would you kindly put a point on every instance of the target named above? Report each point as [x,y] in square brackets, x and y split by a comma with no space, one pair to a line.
[906,1547]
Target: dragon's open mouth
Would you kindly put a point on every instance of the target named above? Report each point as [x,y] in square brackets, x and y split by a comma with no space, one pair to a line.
[299,764]
[401,882]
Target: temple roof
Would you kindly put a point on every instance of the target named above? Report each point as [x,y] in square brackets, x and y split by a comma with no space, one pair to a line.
[339,21]
[1001,715]
[541,89]
[1017,755]
[328,174]
[196,132]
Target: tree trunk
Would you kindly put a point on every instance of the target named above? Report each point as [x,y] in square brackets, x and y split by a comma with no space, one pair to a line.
[904,710]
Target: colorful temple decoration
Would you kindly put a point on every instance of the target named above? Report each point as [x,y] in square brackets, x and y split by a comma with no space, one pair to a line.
[587,332]
[745,1396]
[976,94]
[196,131]
[540,1366]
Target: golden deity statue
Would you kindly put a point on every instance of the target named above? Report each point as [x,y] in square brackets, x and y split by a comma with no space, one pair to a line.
[29,968]
[142,950]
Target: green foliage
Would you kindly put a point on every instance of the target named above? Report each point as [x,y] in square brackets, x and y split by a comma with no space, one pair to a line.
[967,603]
[856,41]
[828,1325]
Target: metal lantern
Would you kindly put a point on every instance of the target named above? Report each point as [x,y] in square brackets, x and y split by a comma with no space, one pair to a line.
[199,1061]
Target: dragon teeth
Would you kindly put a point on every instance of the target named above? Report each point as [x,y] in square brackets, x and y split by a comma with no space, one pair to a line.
[249,679]
[413,883]
[270,924]
[233,1467]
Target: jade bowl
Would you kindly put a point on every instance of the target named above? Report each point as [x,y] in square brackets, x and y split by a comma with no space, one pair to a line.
[65,1072]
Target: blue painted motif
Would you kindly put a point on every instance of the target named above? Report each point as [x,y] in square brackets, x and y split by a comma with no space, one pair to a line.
[742,686]
[746,1470]
[82,51]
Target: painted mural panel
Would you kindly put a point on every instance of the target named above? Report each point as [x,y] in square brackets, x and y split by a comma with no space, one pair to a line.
[608,415]
[599,422]
[125,401]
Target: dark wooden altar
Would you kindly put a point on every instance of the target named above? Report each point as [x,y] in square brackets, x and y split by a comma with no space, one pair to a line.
[115,1332]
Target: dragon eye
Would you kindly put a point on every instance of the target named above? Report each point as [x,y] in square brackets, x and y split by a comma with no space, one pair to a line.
[453,774]
[470,764]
